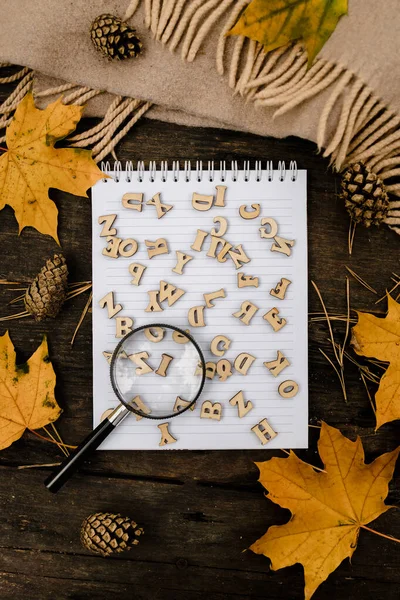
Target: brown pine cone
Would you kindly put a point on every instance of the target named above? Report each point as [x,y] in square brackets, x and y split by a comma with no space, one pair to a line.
[364,194]
[114,38]
[108,533]
[48,291]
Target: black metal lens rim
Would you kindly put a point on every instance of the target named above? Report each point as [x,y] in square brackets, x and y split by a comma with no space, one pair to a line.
[114,359]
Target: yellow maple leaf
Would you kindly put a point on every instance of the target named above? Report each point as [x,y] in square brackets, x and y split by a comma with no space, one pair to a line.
[274,23]
[328,508]
[26,392]
[32,165]
[380,338]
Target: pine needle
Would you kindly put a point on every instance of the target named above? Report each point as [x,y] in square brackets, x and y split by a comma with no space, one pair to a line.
[83,315]
[352,231]
[368,393]
[361,280]
[388,292]
[20,315]
[17,299]
[38,466]
[6,282]
[63,450]
[78,291]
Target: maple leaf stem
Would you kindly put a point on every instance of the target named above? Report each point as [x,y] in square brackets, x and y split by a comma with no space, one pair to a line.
[42,437]
[388,537]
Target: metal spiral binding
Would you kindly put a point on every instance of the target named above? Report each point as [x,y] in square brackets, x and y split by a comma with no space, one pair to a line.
[197,173]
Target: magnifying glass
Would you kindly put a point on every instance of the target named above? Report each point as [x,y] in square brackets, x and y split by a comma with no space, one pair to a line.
[157,371]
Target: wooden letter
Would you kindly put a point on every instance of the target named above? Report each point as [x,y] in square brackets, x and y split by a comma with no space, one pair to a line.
[220,199]
[243,362]
[246,312]
[238,255]
[170,293]
[139,360]
[249,214]
[124,249]
[223,342]
[221,254]
[280,289]
[166,437]
[179,338]
[288,388]
[199,241]
[276,366]
[224,369]
[223,226]
[108,356]
[246,280]
[201,201]
[153,305]
[108,229]
[133,201]
[111,249]
[272,317]
[242,406]
[210,370]
[164,364]
[123,325]
[182,259]
[273,228]
[211,411]
[213,296]
[180,404]
[264,432]
[160,246]
[136,270]
[154,334]
[161,208]
[196,316]
[282,245]
[138,403]
[112,309]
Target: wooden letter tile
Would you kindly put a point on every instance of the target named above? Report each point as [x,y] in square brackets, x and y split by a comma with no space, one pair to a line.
[239,256]
[123,325]
[196,316]
[108,356]
[273,319]
[220,253]
[108,229]
[153,305]
[164,364]
[180,404]
[219,345]
[288,388]
[273,228]
[160,246]
[138,404]
[208,298]
[223,226]
[264,432]
[220,199]
[166,436]
[181,260]
[128,247]
[199,241]
[249,214]
[139,359]
[243,362]
[246,312]
[170,293]
[179,338]
[242,406]
[154,334]
[111,250]
[282,245]
[210,370]
[161,208]
[224,369]
[211,411]
[247,281]
[276,366]
[133,201]
[201,201]
[280,289]
[136,270]
[112,308]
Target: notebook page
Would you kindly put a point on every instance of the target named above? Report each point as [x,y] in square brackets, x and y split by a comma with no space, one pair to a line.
[283,201]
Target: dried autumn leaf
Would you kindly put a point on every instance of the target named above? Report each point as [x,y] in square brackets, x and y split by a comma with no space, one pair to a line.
[26,392]
[380,338]
[274,23]
[32,165]
[328,508]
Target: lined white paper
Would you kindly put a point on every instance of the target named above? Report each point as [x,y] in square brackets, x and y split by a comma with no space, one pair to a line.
[285,201]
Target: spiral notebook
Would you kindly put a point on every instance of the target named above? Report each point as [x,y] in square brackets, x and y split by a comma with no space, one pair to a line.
[264,213]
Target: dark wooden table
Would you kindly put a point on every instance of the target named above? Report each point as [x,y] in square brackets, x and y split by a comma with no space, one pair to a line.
[200,510]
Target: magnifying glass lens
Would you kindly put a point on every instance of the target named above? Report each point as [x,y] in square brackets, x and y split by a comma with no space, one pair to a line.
[157,371]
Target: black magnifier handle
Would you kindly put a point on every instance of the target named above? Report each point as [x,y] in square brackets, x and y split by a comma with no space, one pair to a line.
[93,441]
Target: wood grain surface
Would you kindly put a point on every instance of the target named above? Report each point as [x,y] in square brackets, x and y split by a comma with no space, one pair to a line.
[200,510]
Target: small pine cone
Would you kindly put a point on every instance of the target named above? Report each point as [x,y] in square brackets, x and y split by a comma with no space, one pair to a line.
[106,533]
[114,38]
[48,291]
[364,195]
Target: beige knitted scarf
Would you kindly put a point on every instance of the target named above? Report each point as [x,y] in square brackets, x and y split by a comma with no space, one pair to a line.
[348,102]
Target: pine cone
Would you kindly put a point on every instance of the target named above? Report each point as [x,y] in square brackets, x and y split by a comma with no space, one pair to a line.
[48,291]
[364,195]
[114,38]
[105,533]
